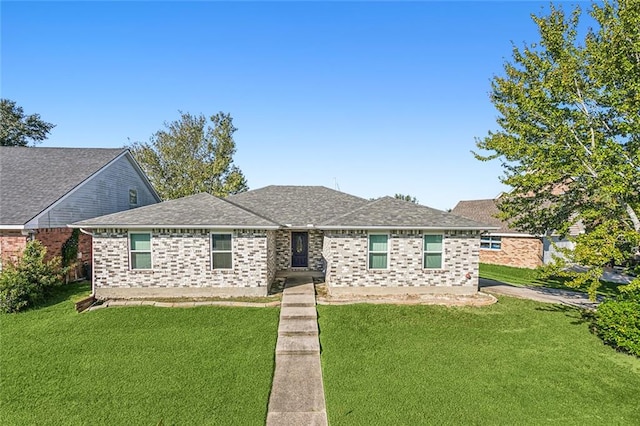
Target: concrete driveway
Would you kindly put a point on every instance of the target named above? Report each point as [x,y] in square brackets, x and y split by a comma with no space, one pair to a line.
[540,294]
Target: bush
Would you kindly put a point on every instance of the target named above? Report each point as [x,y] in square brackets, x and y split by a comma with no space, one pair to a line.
[618,321]
[30,279]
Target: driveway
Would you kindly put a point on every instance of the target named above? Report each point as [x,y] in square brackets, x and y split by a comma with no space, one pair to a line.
[540,294]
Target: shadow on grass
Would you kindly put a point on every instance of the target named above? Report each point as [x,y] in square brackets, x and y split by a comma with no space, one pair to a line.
[579,316]
[64,292]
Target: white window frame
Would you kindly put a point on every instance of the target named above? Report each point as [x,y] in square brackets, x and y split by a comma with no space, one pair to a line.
[221,251]
[150,251]
[491,239]
[386,268]
[425,252]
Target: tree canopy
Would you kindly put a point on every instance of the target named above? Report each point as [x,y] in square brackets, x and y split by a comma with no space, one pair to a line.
[17,129]
[407,197]
[189,156]
[569,133]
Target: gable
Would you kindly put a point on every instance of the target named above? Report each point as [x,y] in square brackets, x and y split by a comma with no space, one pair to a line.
[33,180]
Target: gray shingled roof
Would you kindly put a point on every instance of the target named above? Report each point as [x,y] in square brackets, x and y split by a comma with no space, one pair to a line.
[32,179]
[388,212]
[199,211]
[298,206]
[487,210]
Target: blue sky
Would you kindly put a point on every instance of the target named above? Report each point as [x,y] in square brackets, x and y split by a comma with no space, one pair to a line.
[380,97]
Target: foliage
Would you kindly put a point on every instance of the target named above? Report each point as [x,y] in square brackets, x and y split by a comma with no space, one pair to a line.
[136,365]
[569,134]
[541,365]
[617,321]
[29,280]
[407,197]
[16,128]
[70,248]
[189,157]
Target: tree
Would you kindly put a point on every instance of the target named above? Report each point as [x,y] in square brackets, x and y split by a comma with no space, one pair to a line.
[569,134]
[16,128]
[189,157]
[406,198]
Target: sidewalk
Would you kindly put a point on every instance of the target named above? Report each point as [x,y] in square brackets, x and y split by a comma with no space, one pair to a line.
[540,294]
[297,393]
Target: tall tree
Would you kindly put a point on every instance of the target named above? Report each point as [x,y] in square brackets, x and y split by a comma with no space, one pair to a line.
[407,197]
[569,133]
[189,156]
[17,129]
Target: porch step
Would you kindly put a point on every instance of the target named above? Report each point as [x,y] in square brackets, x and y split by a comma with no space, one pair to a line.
[299,288]
[297,345]
[293,312]
[298,327]
[299,300]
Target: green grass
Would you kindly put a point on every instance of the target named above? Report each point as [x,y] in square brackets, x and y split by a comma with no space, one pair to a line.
[529,277]
[142,365]
[515,362]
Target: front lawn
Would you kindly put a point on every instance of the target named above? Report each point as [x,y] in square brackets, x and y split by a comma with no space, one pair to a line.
[529,277]
[515,362]
[142,365]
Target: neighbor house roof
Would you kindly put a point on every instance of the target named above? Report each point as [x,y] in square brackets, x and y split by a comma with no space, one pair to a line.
[298,206]
[32,179]
[198,211]
[487,210]
[484,211]
[388,212]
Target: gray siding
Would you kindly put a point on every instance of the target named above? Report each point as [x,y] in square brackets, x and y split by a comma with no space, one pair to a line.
[104,193]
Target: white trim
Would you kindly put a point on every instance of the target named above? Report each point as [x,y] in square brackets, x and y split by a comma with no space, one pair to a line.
[369,234]
[420,228]
[442,252]
[13,227]
[491,239]
[164,226]
[211,251]
[507,234]
[139,251]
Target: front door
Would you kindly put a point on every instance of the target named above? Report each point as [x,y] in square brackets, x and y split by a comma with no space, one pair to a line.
[299,249]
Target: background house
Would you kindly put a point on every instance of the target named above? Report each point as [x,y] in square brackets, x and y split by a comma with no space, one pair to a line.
[507,245]
[202,245]
[42,190]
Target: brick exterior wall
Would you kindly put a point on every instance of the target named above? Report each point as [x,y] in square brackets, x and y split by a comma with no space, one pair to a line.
[54,238]
[11,245]
[283,250]
[522,252]
[181,259]
[347,259]
[271,256]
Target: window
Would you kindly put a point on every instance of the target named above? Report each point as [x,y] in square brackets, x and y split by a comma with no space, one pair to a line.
[133,197]
[221,251]
[140,250]
[432,252]
[378,251]
[488,242]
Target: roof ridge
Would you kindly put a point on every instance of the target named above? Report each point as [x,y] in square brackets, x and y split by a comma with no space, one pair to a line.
[369,203]
[248,210]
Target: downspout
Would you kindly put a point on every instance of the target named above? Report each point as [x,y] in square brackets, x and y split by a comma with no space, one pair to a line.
[93,290]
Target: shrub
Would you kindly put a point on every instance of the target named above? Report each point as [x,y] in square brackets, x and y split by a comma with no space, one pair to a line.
[618,321]
[30,279]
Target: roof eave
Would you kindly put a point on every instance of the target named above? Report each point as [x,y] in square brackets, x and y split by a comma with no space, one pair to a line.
[168,226]
[426,228]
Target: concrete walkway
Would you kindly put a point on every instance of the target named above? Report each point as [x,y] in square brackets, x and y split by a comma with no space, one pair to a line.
[297,392]
[540,294]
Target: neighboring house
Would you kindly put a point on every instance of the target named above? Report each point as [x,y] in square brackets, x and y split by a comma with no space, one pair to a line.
[42,190]
[506,245]
[202,245]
